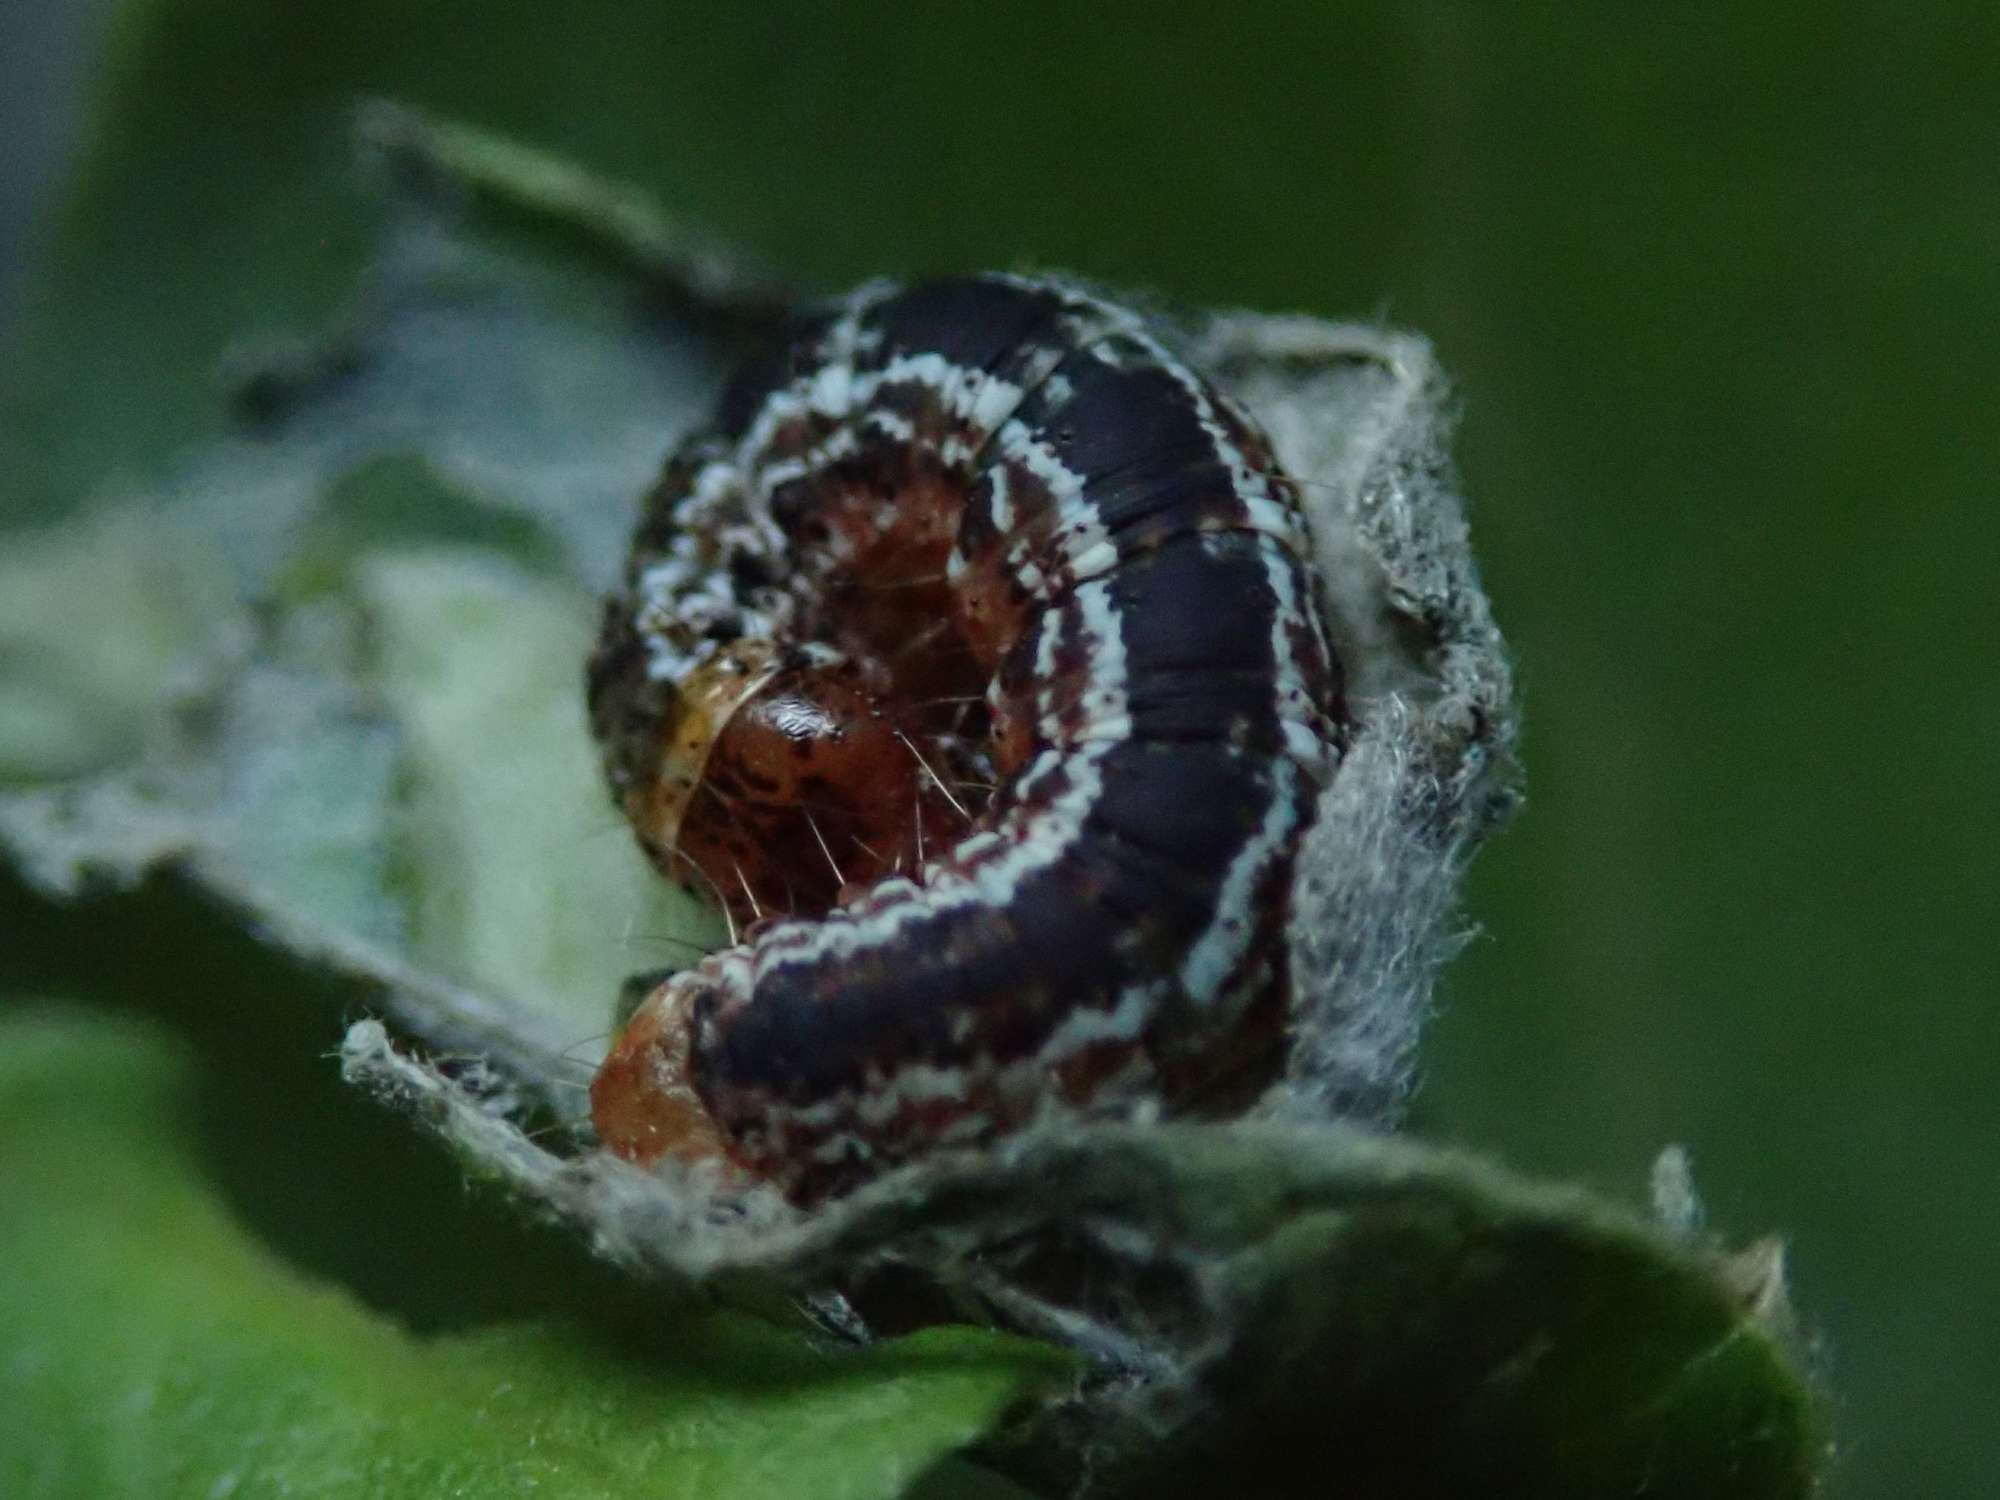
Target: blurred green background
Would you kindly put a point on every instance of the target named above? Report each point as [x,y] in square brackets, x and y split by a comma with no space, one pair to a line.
[1719,284]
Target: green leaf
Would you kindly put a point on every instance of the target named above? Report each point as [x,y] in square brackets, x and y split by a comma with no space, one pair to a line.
[153,1349]
[1428,1324]
[1252,1291]
[376,611]
[519,873]
[1425,1322]
[1465,1332]
[94,621]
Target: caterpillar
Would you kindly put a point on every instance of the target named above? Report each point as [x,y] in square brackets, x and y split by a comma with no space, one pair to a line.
[971,657]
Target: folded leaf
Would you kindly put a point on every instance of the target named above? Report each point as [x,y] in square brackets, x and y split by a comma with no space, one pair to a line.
[152,1348]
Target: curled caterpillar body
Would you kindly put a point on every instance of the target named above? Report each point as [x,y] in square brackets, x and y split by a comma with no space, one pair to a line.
[973,660]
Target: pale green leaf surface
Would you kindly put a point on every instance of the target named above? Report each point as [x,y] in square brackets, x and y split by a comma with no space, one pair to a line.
[399,756]
[386,752]
[150,1348]
[520,874]
[94,622]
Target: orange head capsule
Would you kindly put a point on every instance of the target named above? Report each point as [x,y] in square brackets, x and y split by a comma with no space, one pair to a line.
[643,1100]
